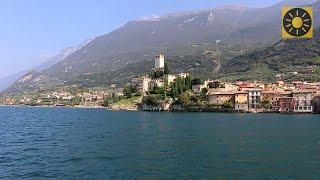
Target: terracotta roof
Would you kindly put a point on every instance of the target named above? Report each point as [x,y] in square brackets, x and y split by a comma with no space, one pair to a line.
[286,98]
[222,93]
[271,92]
[303,91]
[241,92]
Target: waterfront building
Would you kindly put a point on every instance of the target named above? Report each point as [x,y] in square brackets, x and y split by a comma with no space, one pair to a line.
[241,101]
[303,99]
[272,97]
[254,96]
[286,104]
[220,98]
[316,104]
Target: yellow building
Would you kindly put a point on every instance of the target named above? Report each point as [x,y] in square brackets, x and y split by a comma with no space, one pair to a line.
[219,98]
[241,101]
[272,97]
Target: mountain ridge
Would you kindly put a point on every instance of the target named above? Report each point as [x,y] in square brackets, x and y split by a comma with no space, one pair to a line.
[176,36]
[7,81]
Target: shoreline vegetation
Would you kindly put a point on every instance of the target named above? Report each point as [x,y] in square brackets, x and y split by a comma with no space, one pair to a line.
[140,110]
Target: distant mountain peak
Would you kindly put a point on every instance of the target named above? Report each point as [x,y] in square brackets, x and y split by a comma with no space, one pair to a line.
[64,53]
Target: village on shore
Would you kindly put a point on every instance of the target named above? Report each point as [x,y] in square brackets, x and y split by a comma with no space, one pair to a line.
[162,91]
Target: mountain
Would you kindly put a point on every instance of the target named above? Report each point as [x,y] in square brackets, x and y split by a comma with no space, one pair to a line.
[7,81]
[139,40]
[31,81]
[63,54]
[110,58]
[291,59]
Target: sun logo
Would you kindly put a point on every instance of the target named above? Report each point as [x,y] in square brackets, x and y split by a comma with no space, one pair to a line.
[297,22]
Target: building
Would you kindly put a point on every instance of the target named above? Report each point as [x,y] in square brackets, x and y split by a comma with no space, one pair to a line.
[303,99]
[156,83]
[142,84]
[197,88]
[286,104]
[213,84]
[272,97]
[170,78]
[159,61]
[183,75]
[244,86]
[254,98]
[241,101]
[316,104]
[220,98]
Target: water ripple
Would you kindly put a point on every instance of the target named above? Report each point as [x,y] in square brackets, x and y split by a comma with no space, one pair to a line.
[41,143]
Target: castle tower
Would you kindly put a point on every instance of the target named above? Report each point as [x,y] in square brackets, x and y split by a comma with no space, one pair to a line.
[159,61]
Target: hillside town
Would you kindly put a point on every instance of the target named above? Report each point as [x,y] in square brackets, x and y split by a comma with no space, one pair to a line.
[161,90]
[64,96]
[214,95]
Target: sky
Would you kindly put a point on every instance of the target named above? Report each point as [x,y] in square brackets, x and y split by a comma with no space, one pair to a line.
[32,31]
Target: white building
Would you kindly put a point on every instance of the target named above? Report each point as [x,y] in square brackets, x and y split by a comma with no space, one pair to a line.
[183,75]
[170,78]
[254,98]
[159,61]
[303,101]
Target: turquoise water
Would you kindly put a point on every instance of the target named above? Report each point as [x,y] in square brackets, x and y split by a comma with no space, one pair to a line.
[39,143]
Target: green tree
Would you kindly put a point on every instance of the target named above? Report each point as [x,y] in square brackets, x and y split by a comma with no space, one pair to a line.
[184,99]
[174,90]
[158,90]
[188,82]
[106,102]
[166,68]
[266,104]
[75,101]
[228,104]
[152,100]
[157,74]
[203,93]
[196,81]
[127,91]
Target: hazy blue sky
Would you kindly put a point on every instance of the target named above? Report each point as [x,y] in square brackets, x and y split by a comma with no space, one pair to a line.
[33,30]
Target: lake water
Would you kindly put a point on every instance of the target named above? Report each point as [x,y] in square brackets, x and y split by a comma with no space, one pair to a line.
[39,143]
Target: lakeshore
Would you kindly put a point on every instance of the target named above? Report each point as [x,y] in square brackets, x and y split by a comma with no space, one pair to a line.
[162,90]
[155,111]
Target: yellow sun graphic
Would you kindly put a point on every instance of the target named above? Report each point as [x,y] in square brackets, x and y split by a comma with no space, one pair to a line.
[297,22]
